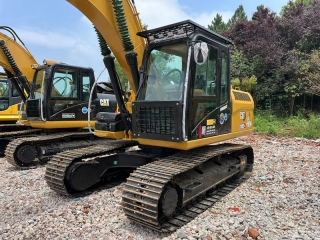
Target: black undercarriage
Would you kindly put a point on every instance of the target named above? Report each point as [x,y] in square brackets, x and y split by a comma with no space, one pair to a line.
[157,188]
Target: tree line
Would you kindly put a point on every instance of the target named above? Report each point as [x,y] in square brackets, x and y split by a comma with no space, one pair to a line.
[276,57]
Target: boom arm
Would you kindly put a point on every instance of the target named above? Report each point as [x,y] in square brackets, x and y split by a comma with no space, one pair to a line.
[17,62]
[21,56]
[101,14]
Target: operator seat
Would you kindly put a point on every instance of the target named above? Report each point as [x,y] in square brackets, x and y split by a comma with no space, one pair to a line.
[198,92]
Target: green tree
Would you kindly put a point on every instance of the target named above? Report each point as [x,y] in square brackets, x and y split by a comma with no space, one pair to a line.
[122,77]
[292,4]
[238,15]
[218,25]
[310,72]
[241,67]
[248,84]
[261,13]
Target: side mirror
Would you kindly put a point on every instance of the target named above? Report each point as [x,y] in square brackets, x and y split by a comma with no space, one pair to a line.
[200,52]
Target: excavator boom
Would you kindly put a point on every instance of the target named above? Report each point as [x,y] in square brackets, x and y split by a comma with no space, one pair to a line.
[23,58]
[16,60]
[102,16]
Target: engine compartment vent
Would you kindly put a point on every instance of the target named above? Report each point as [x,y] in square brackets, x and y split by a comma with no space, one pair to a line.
[241,96]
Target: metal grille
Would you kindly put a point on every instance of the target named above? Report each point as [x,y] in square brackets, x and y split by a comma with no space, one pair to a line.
[156,120]
[33,107]
[242,96]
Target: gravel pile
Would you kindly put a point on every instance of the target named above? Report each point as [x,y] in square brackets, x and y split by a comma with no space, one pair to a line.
[279,201]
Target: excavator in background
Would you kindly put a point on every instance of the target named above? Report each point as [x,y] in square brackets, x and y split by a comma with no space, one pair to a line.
[169,131]
[24,59]
[9,102]
[56,111]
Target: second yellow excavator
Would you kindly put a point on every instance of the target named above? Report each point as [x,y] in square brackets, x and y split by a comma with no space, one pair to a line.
[9,102]
[181,105]
[56,106]
[9,95]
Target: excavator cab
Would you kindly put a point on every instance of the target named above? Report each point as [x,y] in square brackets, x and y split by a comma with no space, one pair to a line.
[60,92]
[8,97]
[4,94]
[185,91]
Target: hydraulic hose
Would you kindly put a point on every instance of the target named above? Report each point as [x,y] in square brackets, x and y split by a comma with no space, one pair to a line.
[104,48]
[122,25]
[19,77]
[10,59]
[131,56]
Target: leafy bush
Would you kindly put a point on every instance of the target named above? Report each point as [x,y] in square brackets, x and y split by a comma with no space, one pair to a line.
[297,126]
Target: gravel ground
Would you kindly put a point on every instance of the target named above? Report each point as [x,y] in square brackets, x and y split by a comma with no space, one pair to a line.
[279,201]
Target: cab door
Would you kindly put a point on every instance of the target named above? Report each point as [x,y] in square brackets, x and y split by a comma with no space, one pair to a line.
[209,105]
[15,98]
[223,92]
[65,97]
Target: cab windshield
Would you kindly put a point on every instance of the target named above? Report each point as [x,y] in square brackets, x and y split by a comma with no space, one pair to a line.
[4,89]
[4,95]
[165,73]
[37,88]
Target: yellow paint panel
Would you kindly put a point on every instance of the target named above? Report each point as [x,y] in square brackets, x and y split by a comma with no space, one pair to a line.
[242,114]
[60,124]
[194,143]
[211,122]
[106,134]
[10,114]
[8,118]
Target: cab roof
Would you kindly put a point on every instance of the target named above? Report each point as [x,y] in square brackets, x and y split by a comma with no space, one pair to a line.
[186,27]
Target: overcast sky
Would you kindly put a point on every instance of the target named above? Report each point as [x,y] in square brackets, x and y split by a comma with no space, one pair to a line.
[57,30]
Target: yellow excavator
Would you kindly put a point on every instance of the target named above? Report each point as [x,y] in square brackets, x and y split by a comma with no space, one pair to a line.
[10,99]
[9,102]
[180,107]
[11,96]
[56,111]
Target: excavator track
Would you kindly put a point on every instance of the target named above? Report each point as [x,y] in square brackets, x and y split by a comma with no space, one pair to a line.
[22,152]
[145,188]
[7,136]
[12,126]
[57,167]
[198,208]
[18,133]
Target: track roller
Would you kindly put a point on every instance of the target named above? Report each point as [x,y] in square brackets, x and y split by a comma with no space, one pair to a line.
[25,155]
[169,201]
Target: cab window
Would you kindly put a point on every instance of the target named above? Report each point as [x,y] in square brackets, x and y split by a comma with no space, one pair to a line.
[86,86]
[224,77]
[204,98]
[64,84]
[4,89]
[165,73]
[4,96]
[15,93]
[206,74]
[37,88]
